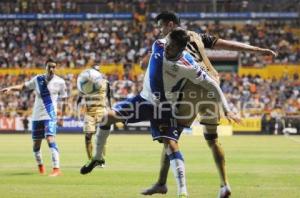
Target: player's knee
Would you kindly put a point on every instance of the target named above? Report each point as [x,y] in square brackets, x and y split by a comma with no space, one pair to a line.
[36,148]
[211,138]
[88,137]
[50,138]
[52,145]
[105,127]
[170,145]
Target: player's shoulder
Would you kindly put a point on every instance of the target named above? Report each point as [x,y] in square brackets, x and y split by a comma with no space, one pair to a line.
[59,78]
[38,77]
[159,43]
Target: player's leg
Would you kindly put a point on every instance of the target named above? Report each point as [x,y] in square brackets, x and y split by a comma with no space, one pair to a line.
[164,168]
[54,155]
[89,129]
[160,186]
[211,138]
[210,113]
[210,116]
[169,136]
[38,155]
[101,136]
[50,133]
[132,110]
[37,137]
[177,165]
[88,145]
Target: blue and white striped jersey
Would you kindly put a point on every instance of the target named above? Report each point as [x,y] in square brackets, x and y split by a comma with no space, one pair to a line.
[164,79]
[46,96]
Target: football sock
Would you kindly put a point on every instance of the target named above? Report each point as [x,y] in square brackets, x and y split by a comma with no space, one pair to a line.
[101,137]
[55,154]
[38,156]
[178,168]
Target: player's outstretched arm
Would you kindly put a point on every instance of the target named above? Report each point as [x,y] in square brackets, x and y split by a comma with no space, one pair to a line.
[7,90]
[108,94]
[200,77]
[233,117]
[238,46]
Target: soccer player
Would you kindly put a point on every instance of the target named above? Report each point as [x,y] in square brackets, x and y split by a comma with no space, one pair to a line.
[49,88]
[168,69]
[95,106]
[166,22]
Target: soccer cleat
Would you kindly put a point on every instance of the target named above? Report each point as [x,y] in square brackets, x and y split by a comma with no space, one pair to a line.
[55,172]
[42,169]
[102,165]
[155,189]
[224,192]
[88,167]
[183,195]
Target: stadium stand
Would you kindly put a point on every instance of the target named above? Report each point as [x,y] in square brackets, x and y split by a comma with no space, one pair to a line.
[78,44]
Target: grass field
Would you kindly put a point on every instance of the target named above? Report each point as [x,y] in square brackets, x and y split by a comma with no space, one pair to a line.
[259,167]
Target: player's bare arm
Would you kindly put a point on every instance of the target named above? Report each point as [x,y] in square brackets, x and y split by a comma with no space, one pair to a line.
[238,46]
[7,90]
[63,112]
[108,95]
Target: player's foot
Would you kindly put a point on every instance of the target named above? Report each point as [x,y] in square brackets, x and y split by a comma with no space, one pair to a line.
[155,189]
[183,195]
[42,169]
[103,165]
[88,167]
[224,192]
[55,172]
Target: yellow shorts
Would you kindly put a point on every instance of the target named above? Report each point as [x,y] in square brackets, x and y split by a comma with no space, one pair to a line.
[197,100]
[90,122]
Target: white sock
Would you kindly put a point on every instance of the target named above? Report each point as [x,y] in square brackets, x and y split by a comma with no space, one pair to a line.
[55,154]
[100,141]
[38,157]
[178,169]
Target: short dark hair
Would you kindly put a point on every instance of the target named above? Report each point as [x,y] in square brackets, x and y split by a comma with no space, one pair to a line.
[167,16]
[180,36]
[50,60]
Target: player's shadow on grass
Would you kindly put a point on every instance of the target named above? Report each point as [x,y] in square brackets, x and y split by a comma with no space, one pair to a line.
[20,174]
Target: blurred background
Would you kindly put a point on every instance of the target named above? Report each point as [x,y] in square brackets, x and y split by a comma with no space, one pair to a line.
[118,34]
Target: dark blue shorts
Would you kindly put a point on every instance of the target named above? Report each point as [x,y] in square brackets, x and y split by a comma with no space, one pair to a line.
[43,128]
[137,109]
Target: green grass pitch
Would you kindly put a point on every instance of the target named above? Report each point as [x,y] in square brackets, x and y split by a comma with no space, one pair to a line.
[258,167]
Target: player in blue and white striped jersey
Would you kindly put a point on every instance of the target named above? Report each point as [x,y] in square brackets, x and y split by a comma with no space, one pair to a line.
[168,69]
[49,88]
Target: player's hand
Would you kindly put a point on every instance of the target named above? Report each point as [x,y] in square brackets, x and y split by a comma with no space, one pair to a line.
[233,117]
[5,90]
[267,52]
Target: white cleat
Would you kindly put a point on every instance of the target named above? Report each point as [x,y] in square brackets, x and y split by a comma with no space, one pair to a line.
[224,192]
[155,189]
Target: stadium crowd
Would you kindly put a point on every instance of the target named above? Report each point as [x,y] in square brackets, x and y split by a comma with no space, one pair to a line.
[92,6]
[250,95]
[26,44]
[77,44]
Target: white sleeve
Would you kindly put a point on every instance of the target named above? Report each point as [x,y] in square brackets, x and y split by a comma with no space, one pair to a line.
[30,85]
[63,90]
[200,77]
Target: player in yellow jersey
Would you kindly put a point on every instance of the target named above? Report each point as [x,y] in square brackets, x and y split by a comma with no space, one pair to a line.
[193,94]
[95,106]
